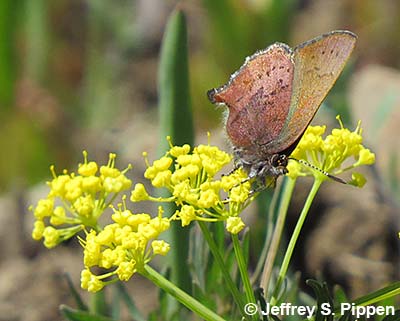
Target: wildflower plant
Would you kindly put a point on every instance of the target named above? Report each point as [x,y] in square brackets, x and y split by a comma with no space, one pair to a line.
[76,201]
[190,178]
[329,155]
[204,192]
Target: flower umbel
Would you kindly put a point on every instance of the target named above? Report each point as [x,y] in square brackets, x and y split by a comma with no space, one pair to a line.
[77,200]
[189,175]
[123,247]
[330,154]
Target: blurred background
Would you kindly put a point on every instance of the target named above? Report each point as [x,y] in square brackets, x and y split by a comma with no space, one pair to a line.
[78,74]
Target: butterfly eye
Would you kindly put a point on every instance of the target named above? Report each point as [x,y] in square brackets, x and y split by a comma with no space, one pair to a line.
[279,160]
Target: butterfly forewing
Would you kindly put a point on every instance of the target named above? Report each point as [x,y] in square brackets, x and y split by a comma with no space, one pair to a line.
[318,63]
[258,94]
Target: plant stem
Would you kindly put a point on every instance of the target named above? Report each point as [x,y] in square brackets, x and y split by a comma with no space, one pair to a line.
[98,303]
[218,258]
[276,238]
[268,232]
[243,270]
[292,243]
[184,298]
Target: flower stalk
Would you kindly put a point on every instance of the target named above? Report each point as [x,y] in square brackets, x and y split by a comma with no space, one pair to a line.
[184,298]
[276,237]
[293,240]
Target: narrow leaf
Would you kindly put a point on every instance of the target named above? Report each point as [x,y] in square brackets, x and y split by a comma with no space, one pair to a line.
[176,121]
[78,299]
[132,309]
[78,315]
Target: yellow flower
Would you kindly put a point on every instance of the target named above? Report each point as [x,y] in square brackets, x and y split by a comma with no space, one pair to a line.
[51,237]
[186,214]
[58,217]
[327,156]
[91,184]
[88,168]
[73,188]
[38,230]
[84,205]
[234,224]
[190,178]
[44,208]
[125,270]
[208,198]
[84,198]
[124,246]
[91,254]
[160,247]
[365,157]
[177,151]
[162,164]
[139,193]
[90,281]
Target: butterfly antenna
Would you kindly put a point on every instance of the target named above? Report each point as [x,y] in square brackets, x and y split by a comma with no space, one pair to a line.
[335,178]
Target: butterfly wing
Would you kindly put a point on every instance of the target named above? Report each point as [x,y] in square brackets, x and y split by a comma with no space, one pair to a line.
[317,65]
[258,97]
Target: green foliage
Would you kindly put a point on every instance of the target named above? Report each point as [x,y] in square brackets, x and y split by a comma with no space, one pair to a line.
[176,121]
[8,27]
[212,276]
[78,315]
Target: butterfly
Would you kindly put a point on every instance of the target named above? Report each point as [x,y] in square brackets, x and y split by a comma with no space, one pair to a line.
[274,96]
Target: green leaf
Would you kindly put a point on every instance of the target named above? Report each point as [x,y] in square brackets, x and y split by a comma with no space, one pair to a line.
[339,295]
[322,293]
[78,299]
[176,121]
[395,317]
[173,84]
[130,304]
[8,23]
[377,296]
[79,315]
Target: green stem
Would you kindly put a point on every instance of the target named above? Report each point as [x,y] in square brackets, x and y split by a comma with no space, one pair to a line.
[268,232]
[243,270]
[220,261]
[98,303]
[184,298]
[276,238]
[293,240]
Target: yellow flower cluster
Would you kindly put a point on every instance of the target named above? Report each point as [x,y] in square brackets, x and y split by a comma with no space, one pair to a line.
[189,176]
[330,154]
[77,200]
[124,246]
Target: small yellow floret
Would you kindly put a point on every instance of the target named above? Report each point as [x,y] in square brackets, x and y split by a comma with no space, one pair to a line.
[234,224]
[88,169]
[84,205]
[58,217]
[51,237]
[160,247]
[125,270]
[139,193]
[186,214]
[44,208]
[177,151]
[90,281]
[38,230]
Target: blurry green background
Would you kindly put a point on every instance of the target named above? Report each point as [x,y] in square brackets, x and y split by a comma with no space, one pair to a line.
[82,74]
[78,74]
